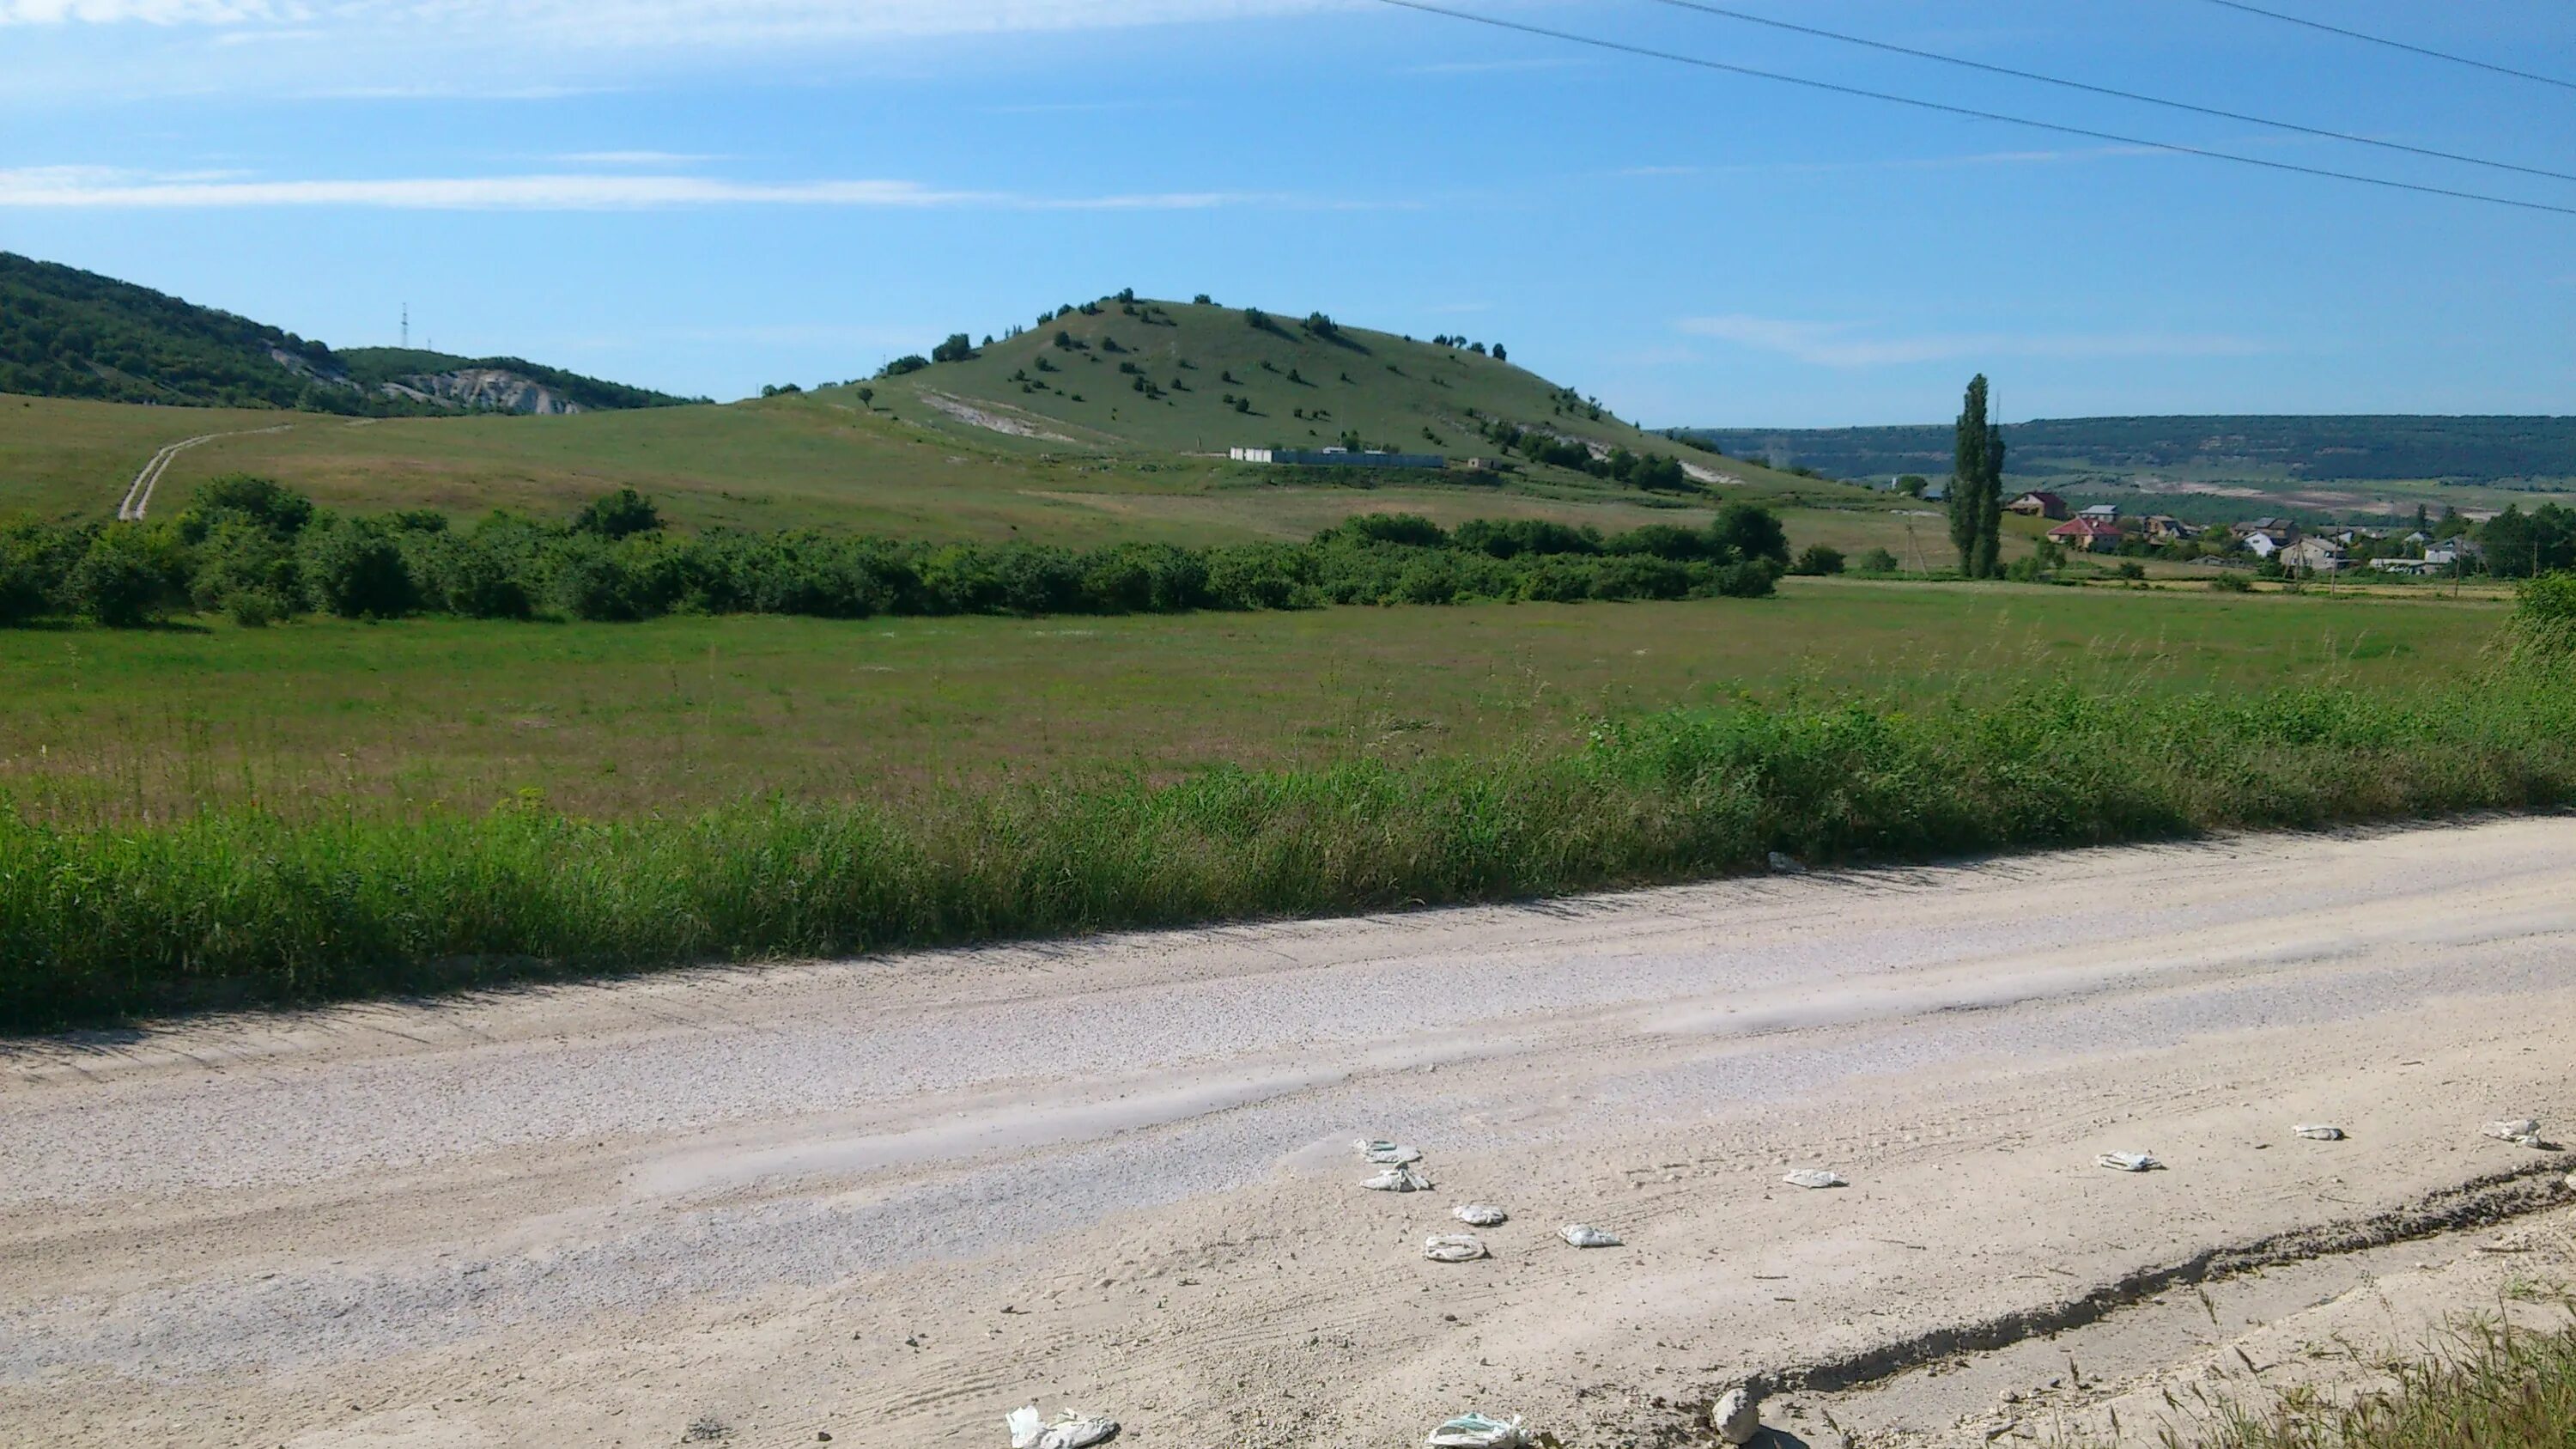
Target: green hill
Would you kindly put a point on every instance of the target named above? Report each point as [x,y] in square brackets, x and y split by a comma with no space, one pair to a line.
[1137,375]
[975,448]
[74,334]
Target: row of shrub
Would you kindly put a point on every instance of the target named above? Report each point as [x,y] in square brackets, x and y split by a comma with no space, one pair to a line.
[244,905]
[248,547]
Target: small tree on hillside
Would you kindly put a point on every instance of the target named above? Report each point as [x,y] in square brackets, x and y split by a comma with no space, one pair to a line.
[1499,354]
[958,348]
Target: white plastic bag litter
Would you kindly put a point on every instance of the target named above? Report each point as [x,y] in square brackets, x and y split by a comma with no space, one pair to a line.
[1815,1177]
[2318,1132]
[2520,1131]
[2127,1162]
[1453,1248]
[1735,1418]
[1398,1179]
[1388,1154]
[1069,1431]
[1479,1214]
[1584,1235]
[1475,1431]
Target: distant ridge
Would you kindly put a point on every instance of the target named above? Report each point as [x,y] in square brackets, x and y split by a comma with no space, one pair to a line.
[2314,449]
[74,334]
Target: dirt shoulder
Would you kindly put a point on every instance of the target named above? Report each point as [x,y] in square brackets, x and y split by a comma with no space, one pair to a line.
[891,1200]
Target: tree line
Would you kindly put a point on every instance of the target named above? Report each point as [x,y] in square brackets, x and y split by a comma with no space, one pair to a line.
[251,549]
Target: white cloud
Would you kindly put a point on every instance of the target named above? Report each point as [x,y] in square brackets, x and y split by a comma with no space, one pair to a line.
[1845,344]
[77,187]
[600,23]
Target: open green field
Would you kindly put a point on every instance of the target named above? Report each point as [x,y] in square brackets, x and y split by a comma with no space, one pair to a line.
[102,726]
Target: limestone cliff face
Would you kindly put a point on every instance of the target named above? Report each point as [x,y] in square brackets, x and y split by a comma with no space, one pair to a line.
[484,389]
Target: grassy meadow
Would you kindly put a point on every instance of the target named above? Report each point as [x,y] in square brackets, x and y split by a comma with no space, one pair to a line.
[321,716]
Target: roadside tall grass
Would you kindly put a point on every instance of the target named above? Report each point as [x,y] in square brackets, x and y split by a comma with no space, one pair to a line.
[2485,1385]
[242,906]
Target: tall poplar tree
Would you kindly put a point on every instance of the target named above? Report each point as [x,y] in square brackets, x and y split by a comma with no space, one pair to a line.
[1976,487]
[1990,506]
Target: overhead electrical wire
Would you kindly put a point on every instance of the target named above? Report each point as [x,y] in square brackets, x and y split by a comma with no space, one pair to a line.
[2547,80]
[2005,70]
[1836,88]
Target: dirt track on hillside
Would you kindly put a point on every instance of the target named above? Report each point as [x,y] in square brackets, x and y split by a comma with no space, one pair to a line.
[889,1200]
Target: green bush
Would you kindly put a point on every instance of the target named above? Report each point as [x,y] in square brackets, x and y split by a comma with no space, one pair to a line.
[618,515]
[356,569]
[1877,561]
[1816,560]
[26,584]
[126,579]
[2543,627]
[2232,583]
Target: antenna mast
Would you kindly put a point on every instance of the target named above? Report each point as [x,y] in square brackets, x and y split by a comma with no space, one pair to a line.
[406,330]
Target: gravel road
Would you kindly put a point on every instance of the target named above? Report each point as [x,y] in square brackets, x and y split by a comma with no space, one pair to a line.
[888,1200]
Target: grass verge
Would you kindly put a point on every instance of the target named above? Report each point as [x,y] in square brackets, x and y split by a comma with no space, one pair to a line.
[2488,1386]
[240,905]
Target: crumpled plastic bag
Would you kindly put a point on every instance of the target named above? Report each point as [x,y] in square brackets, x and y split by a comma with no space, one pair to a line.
[2318,1132]
[1069,1431]
[2127,1162]
[1479,1214]
[1453,1248]
[1475,1431]
[1584,1235]
[1398,1179]
[2520,1131]
[1815,1177]
[1388,1154]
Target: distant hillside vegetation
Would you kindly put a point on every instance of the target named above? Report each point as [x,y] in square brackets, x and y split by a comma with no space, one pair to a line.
[74,334]
[2294,449]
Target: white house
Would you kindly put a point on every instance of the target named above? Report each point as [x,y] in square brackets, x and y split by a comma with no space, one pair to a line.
[2263,545]
[2102,513]
[2314,556]
[2455,551]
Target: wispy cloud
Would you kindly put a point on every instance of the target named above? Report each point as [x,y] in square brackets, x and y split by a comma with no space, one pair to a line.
[601,23]
[1851,345]
[70,187]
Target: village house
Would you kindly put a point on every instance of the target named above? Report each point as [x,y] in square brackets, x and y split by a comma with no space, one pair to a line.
[2039,505]
[2314,556]
[2102,513]
[2165,528]
[2087,535]
[2460,551]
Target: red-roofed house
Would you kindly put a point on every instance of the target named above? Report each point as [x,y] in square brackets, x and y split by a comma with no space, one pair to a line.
[2087,535]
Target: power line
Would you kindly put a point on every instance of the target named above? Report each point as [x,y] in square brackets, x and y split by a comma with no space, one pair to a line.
[2175,147]
[2028,75]
[2547,80]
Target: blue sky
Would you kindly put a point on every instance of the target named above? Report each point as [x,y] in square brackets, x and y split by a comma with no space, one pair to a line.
[705,195]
